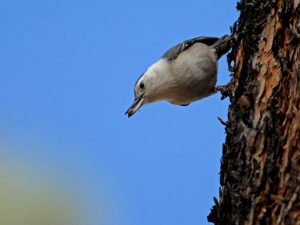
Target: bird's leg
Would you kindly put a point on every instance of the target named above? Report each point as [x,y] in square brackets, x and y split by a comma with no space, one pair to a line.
[221,88]
[224,89]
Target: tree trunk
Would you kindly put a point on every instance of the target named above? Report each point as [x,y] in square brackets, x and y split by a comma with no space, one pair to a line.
[260,167]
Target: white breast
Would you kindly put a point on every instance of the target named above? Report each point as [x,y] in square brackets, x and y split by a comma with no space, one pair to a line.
[188,78]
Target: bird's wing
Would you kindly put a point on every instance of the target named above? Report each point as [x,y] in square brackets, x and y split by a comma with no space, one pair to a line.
[175,51]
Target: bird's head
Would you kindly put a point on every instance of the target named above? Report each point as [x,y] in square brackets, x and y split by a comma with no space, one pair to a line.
[141,91]
[150,87]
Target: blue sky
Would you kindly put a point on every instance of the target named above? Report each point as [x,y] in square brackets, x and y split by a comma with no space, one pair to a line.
[67,75]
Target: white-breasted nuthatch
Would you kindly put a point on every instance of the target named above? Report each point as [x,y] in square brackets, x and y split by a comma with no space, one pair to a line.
[186,73]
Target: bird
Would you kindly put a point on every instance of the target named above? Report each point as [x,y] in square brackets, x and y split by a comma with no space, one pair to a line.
[185,73]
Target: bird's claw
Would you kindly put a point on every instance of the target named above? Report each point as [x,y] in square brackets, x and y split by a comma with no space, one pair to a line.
[223,89]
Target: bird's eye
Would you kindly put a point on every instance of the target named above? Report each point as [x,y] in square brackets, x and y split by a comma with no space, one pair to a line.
[142,85]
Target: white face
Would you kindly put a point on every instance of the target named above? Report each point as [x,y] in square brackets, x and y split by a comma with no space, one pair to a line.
[140,96]
[142,91]
[152,80]
[146,87]
[140,87]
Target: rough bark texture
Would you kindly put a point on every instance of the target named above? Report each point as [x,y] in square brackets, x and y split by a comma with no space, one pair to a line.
[260,167]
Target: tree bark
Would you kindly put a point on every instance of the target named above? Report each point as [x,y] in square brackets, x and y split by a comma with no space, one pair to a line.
[260,166]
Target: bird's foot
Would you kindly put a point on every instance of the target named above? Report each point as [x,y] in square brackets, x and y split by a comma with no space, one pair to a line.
[224,89]
[221,88]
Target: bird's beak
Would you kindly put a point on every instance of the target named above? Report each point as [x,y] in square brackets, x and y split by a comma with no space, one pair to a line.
[138,102]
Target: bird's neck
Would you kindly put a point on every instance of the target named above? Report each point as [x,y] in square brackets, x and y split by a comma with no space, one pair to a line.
[160,77]
[160,72]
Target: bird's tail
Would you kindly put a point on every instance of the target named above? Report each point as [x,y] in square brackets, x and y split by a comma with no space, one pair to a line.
[222,45]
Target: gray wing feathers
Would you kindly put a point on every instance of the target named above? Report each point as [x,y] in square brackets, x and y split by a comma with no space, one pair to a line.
[222,45]
[175,51]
